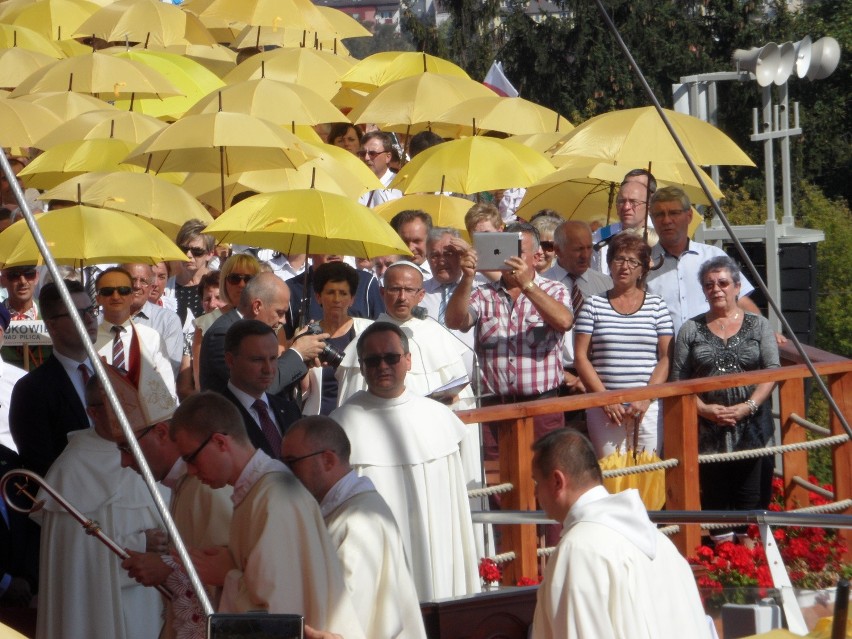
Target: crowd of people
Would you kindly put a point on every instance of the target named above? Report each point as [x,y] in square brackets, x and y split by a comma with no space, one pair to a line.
[297,412]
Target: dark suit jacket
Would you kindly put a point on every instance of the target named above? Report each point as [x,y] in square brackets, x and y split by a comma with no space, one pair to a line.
[43,410]
[213,372]
[284,412]
[19,538]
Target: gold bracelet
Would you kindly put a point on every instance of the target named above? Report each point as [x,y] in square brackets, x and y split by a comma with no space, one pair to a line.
[528,286]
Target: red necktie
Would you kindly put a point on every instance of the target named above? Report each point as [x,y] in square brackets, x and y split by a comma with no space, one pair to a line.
[270,430]
[118,348]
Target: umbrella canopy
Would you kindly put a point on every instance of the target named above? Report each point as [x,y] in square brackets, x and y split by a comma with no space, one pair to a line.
[83,235]
[191,78]
[345,26]
[66,105]
[149,21]
[284,103]
[419,99]
[472,165]
[546,143]
[319,70]
[17,64]
[21,123]
[308,221]
[445,210]
[70,159]
[217,59]
[289,38]
[105,123]
[651,485]
[638,136]
[15,36]
[514,116]
[383,68]
[294,14]
[144,195]
[98,73]
[54,19]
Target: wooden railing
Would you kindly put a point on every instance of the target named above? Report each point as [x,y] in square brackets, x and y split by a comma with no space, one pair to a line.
[680,420]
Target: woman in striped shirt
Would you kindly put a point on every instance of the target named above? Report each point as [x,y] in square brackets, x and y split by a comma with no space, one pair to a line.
[623,339]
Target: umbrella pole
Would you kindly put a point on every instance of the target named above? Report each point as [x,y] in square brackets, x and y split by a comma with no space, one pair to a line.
[647,203]
[222,174]
[609,203]
[306,292]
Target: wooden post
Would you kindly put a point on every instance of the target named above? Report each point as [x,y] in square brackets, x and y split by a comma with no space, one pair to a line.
[515,438]
[840,386]
[791,393]
[680,424]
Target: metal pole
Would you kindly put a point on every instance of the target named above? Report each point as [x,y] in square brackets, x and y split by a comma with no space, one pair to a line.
[786,190]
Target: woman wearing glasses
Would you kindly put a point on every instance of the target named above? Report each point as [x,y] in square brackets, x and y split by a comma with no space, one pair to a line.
[623,339]
[726,340]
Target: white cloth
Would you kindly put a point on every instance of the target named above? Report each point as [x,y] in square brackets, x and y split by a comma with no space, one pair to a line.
[286,562]
[8,376]
[433,294]
[167,324]
[83,591]
[152,348]
[380,196]
[615,576]
[370,548]
[676,281]
[409,447]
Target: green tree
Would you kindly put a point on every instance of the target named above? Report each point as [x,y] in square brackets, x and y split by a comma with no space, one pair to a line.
[385,38]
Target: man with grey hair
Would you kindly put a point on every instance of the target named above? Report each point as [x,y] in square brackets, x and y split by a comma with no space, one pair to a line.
[265,298]
[361,526]
[444,256]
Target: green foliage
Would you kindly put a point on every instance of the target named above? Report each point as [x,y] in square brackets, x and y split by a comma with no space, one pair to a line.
[385,38]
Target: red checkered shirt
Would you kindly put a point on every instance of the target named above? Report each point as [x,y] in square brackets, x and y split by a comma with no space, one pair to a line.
[519,353]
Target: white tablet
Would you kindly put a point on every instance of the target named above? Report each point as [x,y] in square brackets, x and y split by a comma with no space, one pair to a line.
[493,249]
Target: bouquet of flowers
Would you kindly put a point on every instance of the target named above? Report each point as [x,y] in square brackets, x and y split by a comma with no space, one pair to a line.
[489,571]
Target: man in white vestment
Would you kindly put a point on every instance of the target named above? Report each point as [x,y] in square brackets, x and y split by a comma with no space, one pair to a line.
[279,558]
[83,591]
[408,446]
[361,526]
[613,575]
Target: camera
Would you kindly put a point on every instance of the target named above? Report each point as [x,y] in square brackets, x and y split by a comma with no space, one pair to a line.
[329,354]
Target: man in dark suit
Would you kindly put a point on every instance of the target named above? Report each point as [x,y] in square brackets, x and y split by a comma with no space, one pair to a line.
[48,402]
[251,354]
[265,298]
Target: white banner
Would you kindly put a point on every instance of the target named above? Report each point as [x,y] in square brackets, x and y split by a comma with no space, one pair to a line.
[27,332]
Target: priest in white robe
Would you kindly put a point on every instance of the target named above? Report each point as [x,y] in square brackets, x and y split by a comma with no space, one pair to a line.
[409,447]
[361,526]
[279,556]
[613,575]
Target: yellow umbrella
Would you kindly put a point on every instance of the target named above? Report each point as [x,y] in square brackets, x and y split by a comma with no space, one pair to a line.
[285,37]
[66,105]
[98,73]
[308,221]
[638,136]
[106,123]
[149,21]
[318,70]
[546,143]
[217,58]
[415,102]
[70,159]
[651,485]
[192,79]
[471,165]
[383,68]
[284,103]
[16,64]
[294,14]
[446,211]
[345,26]
[54,19]
[21,124]
[349,161]
[515,116]
[81,235]
[14,36]
[222,30]
[144,195]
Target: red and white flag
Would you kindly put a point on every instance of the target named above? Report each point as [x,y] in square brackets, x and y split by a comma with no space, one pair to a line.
[497,81]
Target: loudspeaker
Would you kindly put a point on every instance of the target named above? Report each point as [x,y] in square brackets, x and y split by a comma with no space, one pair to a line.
[764,62]
[803,56]
[786,64]
[825,56]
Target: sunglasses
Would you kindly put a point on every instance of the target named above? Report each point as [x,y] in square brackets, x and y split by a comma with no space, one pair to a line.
[370,154]
[28,274]
[238,278]
[196,251]
[107,291]
[374,361]
[546,245]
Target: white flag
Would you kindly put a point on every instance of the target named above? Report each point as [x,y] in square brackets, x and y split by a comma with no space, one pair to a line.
[497,81]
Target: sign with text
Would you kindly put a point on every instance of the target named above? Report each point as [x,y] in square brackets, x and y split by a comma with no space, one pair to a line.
[27,333]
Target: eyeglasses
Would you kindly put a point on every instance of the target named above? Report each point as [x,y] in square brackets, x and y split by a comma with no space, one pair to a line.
[125,448]
[237,278]
[107,291]
[370,154]
[290,461]
[190,459]
[621,261]
[196,251]
[396,290]
[546,245]
[91,311]
[659,215]
[723,284]
[28,274]
[374,361]
[621,203]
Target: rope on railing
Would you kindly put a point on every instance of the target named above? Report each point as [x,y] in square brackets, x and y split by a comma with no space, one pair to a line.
[487,491]
[670,530]
[641,468]
[819,490]
[824,508]
[772,450]
[545,552]
[503,558]
[804,423]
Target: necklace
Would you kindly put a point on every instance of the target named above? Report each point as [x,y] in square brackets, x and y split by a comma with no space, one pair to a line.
[723,326]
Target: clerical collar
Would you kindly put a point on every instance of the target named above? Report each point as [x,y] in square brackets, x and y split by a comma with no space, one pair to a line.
[346,487]
[259,465]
